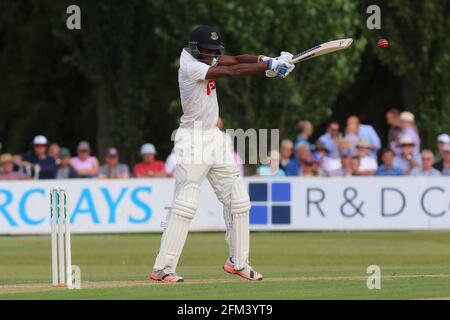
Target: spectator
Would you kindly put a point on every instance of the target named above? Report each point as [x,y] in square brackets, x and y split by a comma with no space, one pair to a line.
[272,169]
[305,130]
[112,169]
[7,168]
[395,130]
[65,170]
[332,166]
[171,164]
[308,168]
[287,147]
[53,151]
[294,167]
[407,160]
[442,140]
[149,166]
[409,129]
[367,165]
[36,162]
[331,138]
[387,168]
[351,135]
[355,164]
[443,166]
[427,166]
[320,152]
[346,164]
[84,164]
[366,132]
[320,156]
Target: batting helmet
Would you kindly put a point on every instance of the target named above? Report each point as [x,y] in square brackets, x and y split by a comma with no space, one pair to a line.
[204,37]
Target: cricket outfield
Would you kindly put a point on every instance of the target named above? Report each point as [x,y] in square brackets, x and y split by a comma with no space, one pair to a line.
[295,265]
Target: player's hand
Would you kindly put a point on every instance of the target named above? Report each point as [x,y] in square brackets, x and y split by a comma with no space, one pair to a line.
[281,66]
[269,73]
[287,58]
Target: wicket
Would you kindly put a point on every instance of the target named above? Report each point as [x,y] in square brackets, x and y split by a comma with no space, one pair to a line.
[60,225]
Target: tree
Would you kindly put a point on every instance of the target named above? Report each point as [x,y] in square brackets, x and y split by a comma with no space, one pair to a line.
[419,55]
[117,53]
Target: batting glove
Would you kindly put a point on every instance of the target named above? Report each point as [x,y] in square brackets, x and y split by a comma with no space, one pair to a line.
[286,57]
[280,66]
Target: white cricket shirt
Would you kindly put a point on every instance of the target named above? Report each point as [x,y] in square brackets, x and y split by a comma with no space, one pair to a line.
[198,96]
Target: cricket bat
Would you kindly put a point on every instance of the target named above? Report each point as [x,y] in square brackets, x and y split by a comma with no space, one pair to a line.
[321,49]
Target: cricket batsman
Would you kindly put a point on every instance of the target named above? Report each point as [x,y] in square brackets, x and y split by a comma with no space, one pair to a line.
[201,151]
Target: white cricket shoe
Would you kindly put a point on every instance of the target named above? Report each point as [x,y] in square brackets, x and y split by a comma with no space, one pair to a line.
[247,272]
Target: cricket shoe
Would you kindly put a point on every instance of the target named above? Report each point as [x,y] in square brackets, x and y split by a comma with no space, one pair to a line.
[166,276]
[247,272]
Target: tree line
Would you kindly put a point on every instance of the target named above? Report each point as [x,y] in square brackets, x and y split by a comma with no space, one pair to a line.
[114,82]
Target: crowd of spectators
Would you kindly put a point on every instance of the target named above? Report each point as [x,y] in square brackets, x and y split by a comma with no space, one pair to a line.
[354,151]
[50,161]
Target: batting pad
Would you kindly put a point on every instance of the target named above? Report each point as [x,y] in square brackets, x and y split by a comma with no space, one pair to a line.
[172,242]
[177,226]
[240,234]
[229,231]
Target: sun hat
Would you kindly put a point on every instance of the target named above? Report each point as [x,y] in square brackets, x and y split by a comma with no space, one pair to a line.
[148,148]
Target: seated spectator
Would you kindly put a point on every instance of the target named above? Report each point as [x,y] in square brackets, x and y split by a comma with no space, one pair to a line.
[367,164]
[366,132]
[7,169]
[407,160]
[308,168]
[171,164]
[346,164]
[442,140]
[319,151]
[387,168]
[355,164]
[395,130]
[426,169]
[286,150]
[36,162]
[84,164]
[112,169]
[443,166]
[409,129]
[53,151]
[318,155]
[272,169]
[65,170]
[331,138]
[294,167]
[149,166]
[305,130]
[333,167]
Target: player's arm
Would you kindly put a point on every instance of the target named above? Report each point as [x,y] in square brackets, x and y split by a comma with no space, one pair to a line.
[237,70]
[244,65]
[232,60]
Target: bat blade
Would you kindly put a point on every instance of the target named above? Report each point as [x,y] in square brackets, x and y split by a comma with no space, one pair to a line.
[321,49]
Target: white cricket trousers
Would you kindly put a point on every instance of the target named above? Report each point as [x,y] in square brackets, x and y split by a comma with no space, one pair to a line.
[207,154]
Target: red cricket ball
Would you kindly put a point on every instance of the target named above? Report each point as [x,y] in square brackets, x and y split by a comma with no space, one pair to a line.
[383,43]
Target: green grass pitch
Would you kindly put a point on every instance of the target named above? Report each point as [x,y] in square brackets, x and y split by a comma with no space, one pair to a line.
[295,265]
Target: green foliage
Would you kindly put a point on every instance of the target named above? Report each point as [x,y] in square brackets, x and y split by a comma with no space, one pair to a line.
[419,54]
[268,27]
[114,82]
